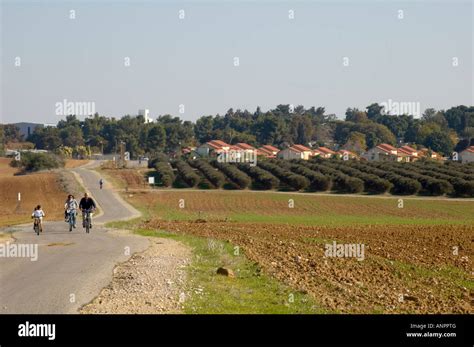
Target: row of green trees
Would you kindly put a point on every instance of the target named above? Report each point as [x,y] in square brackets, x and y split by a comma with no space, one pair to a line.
[215,177]
[341,176]
[401,185]
[442,131]
[233,174]
[372,183]
[292,180]
[261,179]
[186,173]
[341,182]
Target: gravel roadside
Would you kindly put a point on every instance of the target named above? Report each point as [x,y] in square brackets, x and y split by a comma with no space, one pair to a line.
[149,282]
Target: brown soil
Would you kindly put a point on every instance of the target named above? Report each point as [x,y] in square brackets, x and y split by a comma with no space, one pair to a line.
[407,269]
[128,178]
[73,163]
[40,188]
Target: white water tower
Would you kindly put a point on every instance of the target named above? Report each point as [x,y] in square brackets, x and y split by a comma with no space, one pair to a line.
[146,114]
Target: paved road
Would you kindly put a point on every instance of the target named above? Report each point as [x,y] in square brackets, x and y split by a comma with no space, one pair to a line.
[72,267]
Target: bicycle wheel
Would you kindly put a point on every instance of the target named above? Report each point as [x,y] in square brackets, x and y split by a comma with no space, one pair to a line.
[37,229]
[71,221]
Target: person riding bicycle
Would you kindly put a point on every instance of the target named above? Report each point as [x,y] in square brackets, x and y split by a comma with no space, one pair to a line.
[38,213]
[101,183]
[86,204]
[70,206]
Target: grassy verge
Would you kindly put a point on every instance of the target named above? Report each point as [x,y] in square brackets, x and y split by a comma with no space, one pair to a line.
[115,181]
[250,291]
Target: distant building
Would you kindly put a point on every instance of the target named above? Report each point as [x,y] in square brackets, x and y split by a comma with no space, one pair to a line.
[212,148]
[346,154]
[268,151]
[146,114]
[295,152]
[386,152]
[409,151]
[324,152]
[430,154]
[382,152]
[26,129]
[467,156]
[244,147]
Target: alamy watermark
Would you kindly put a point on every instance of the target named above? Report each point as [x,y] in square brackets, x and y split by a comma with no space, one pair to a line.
[345,250]
[238,156]
[81,108]
[401,107]
[19,250]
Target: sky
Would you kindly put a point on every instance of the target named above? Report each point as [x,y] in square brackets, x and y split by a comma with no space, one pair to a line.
[121,56]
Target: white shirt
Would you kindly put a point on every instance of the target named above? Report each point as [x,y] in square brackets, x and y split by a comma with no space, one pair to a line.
[71,205]
[38,213]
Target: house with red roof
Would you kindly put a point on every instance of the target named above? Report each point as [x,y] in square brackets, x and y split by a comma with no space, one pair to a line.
[268,151]
[467,156]
[382,152]
[242,146]
[324,152]
[295,152]
[409,152]
[212,148]
[428,153]
[345,154]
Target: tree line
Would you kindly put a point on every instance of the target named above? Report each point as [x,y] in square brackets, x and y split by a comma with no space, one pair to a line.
[441,131]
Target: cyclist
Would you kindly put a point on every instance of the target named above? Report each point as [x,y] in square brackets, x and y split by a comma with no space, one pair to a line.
[70,205]
[86,204]
[38,213]
[101,183]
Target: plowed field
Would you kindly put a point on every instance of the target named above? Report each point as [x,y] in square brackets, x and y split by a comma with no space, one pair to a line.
[40,188]
[417,259]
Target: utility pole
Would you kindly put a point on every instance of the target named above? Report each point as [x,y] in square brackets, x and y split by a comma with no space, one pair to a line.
[122,154]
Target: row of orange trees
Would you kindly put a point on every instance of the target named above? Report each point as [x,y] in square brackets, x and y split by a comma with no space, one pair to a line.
[350,177]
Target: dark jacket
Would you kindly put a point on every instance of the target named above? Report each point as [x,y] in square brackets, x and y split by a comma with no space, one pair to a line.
[86,204]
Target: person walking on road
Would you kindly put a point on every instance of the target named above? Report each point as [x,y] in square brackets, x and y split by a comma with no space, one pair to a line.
[101,183]
[86,205]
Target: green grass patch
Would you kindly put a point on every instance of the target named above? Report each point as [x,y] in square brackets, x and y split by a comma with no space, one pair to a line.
[447,272]
[250,292]
[315,210]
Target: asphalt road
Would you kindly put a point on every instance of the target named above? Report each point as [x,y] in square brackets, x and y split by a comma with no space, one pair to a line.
[72,267]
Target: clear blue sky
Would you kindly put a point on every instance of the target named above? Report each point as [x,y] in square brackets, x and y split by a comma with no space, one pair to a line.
[190,61]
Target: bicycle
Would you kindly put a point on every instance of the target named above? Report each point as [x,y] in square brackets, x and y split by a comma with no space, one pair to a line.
[71,219]
[36,225]
[87,220]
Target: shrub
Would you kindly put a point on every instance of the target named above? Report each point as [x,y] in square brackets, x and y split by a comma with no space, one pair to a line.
[401,185]
[262,179]
[318,182]
[186,173]
[31,162]
[295,181]
[431,186]
[214,176]
[240,178]
[164,173]
[372,183]
[461,186]
[341,183]
[158,157]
